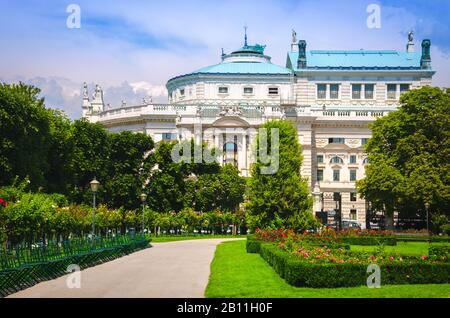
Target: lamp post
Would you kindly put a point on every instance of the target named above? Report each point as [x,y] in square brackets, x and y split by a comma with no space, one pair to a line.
[94,187]
[143,198]
[427,207]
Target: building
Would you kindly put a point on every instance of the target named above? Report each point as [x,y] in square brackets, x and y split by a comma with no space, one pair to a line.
[331,97]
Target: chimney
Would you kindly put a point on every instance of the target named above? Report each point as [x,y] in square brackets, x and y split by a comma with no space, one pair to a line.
[425,61]
[301,62]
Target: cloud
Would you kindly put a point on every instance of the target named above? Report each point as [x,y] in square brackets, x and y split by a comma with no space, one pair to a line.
[132,48]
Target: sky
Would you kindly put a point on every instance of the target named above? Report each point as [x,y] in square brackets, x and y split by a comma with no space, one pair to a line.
[132,48]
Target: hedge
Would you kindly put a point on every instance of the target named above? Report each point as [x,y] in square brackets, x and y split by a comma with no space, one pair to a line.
[370,240]
[302,274]
[411,238]
[253,246]
[15,279]
[439,250]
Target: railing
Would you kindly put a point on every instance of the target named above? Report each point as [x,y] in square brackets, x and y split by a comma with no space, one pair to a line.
[247,108]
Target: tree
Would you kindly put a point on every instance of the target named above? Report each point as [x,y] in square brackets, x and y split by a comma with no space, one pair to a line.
[90,159]
[280,198]
[128,154]
[409,156]
[25,135]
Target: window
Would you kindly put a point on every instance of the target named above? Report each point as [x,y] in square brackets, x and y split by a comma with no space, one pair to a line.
[352,175]
[321,91]
[336,140]
[248,90]
[404,88]
[391,91]
[353,159]
[368,91]
[320,175]
[353,196]
[334,91]
[353,214]
[273,90]
[319,158]
[336,175]
[364,141]
[336,159]
[223,90]
[356,91]
[169,136]
[182,92]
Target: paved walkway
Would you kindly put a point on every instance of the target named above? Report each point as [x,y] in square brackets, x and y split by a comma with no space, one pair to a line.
[173,269]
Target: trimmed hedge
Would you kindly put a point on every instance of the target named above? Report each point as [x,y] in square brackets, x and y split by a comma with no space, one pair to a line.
[253,246]
[15,279]
[411,238]
[370,240]
[302,274]
[439,250]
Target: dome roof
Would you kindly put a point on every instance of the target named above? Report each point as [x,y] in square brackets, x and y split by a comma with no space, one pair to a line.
[243,67]
[249,59]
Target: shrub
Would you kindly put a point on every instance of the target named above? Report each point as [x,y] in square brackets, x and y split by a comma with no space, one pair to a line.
[298,272]
[252,245]
[370,240]
[439,251]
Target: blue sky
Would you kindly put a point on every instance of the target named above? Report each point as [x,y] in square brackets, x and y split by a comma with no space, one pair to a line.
[131,48]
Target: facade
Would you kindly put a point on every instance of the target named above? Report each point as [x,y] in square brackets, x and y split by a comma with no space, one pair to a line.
[331,97]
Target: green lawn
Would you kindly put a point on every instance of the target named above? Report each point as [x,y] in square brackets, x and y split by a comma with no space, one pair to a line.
[235,273]
[403,248]
[172,238]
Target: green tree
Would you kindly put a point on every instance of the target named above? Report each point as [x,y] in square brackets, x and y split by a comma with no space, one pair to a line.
[128,154]
[409,156]
[25,135]
[279,198]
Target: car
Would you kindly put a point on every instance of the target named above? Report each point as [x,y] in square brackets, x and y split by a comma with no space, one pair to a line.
[351,224]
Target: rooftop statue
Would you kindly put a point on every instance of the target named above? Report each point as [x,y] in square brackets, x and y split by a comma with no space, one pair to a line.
[411,36]
[85,90]
[294,36]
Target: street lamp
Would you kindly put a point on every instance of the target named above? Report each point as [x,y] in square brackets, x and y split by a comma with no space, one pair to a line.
[427,207]
[94,187]
[143,198]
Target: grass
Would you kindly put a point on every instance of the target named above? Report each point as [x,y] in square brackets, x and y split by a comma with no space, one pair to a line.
[173,238]
[403,248]
[235,273]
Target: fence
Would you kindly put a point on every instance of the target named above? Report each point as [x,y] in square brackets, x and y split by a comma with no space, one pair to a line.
[25,266]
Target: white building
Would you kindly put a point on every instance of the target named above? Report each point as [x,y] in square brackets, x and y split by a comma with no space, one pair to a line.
[330,96]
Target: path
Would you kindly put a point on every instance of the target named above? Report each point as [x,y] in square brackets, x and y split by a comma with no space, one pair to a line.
[173,269]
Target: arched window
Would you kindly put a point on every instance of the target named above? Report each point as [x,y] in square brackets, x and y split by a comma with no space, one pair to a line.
[336,159]
[366,161]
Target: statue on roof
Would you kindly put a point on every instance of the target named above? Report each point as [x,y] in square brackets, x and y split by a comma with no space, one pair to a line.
[411,36]
[85,90]
[294,36]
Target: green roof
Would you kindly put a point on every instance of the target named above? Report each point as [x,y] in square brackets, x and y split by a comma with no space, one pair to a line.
[358,59]
[243,68]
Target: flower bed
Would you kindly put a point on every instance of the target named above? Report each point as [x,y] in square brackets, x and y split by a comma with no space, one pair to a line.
[308,261]
[330,237]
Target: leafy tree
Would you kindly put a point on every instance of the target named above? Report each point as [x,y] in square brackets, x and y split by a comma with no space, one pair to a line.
[280,198]
[90,159]
[127,156]
[409,156]
[25,132]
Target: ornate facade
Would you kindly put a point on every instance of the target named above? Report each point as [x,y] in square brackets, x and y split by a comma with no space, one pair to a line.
[331,97]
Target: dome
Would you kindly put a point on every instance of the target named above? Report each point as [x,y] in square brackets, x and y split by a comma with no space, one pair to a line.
[250,59]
